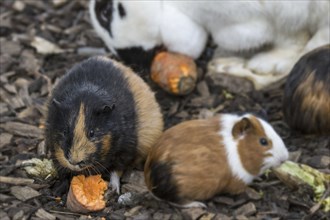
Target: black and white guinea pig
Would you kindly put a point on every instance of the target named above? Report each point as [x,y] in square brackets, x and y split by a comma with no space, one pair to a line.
[133,29]
[306,103]
[197,159]
[102,117]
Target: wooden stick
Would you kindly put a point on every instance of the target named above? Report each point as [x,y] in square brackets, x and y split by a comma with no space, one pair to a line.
[16,180]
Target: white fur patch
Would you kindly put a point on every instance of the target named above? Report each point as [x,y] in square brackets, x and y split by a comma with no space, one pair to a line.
[115,182]
[279,151]
[227,123]
[139,28]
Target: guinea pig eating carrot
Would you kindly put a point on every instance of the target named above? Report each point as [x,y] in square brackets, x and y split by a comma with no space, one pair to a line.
[102,117]
[198,159]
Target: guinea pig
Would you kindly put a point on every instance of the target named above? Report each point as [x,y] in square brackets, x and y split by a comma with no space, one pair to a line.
[306,104]
[133,29]
[197,159]
[102,117]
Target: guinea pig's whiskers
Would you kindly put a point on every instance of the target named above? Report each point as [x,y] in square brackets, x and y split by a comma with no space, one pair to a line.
[96,169]
[88,171]
[103,167]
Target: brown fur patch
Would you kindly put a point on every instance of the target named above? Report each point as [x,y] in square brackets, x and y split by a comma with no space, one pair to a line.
[106,144]
[149,117]
[199,162]
[81,148]
[59,155]
[315,101]
[251,152]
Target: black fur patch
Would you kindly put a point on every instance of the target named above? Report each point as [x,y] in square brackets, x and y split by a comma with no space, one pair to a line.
[316,62]
[104,13]
[121,10]
[163,185]
[95,83]
[138,58]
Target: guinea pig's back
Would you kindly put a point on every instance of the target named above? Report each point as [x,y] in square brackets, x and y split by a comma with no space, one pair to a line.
[187,162]
[95,74]
[306,103]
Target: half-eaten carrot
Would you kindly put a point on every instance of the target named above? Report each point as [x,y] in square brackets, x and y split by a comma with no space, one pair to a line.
[86,194]
[175,73]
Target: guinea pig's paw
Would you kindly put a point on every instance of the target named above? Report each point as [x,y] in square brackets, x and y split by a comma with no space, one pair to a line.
[115,182]
[274,62]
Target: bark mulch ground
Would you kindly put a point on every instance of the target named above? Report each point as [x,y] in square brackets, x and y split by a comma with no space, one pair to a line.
[28,72]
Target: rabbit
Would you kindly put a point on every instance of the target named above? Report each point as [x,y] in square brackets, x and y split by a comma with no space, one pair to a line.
[136,30]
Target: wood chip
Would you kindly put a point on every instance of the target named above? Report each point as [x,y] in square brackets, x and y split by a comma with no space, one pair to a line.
[24,130]
[252,194]
[41,213]
[132,211]
[10,88]
[15,180]
[41,148]
[90,51]
[5,139]
[19,215]
[220,216]
[295,155]
[24,193]
[4,198]
[194,213]
[18,5]
[224,200]
[16,103]
[207,216]
[10,47]
[131,187]
[29,62]
[3,109]
[4,216]
[241,217]
[203,89]
[246,210]
[44,46]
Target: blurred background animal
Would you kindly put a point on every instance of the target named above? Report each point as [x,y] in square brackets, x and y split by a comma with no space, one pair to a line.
[306,103]
[274,34]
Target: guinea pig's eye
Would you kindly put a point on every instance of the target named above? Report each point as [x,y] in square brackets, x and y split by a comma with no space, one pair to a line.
[91,133]
[263,141]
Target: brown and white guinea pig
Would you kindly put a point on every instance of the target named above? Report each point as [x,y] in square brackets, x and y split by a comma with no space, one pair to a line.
[101,117]
[306,103]
[197,159]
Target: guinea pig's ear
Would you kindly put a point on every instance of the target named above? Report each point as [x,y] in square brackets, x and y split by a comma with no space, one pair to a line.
[105,109]
[241,127]
[108,108]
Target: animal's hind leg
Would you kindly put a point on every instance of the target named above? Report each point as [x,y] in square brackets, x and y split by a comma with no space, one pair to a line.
[279,60]
[235,66]
[320,38]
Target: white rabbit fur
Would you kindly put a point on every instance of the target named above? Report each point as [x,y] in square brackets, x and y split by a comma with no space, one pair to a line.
[291,28]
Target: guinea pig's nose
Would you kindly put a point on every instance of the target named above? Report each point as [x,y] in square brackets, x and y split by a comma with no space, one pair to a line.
[79,163]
